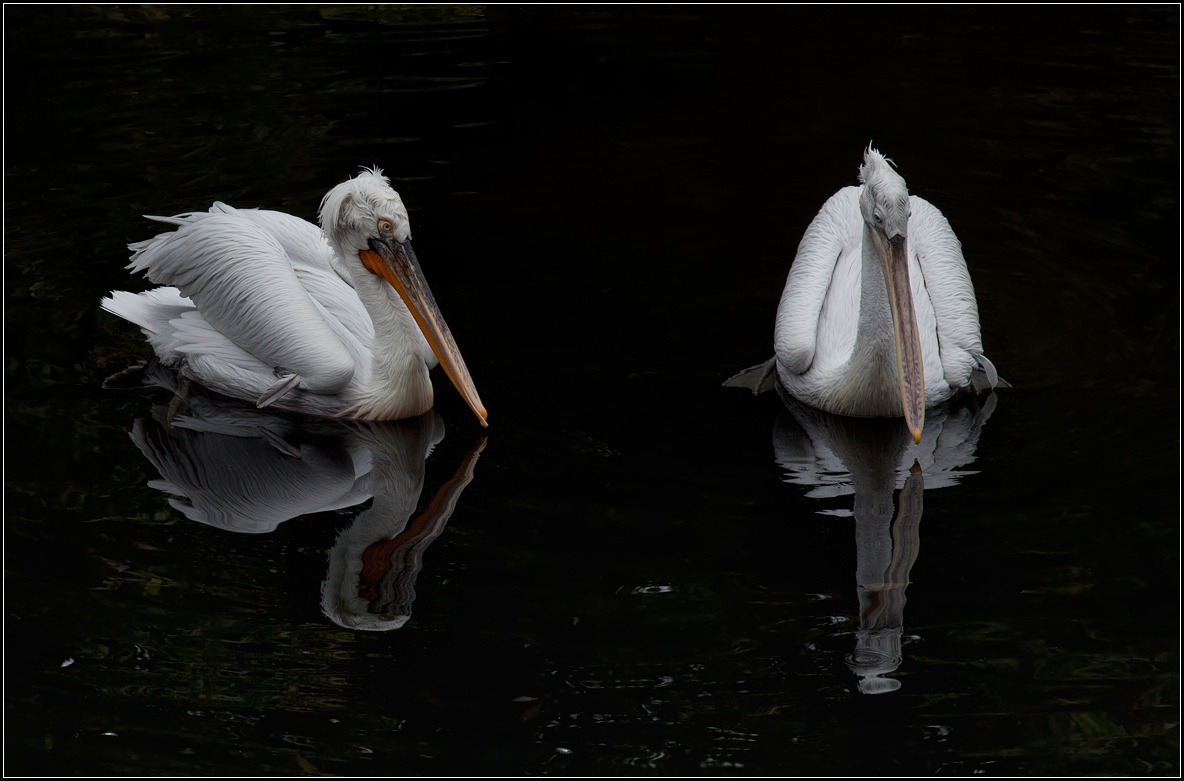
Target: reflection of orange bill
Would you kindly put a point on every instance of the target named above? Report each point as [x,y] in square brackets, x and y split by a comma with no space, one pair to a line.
[378,558]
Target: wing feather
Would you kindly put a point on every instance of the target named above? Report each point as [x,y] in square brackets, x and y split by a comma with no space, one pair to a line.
[834,234]
[249,274]
[947,282]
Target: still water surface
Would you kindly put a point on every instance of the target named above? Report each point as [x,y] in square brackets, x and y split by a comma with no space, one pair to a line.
[634,571]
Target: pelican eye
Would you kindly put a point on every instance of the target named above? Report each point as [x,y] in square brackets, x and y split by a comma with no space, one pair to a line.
[386,227]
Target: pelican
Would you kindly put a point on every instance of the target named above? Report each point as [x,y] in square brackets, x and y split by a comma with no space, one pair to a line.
[333,322]
[878,316]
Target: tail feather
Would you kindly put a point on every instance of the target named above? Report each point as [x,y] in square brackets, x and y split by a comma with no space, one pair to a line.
[758,379]
[985,376]
[151,310]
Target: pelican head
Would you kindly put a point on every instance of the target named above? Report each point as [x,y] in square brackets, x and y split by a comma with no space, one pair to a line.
[884,204]
[350,213]
[367,226]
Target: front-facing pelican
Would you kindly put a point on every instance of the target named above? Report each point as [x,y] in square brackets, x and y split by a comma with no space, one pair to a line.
[878,317]
[264,306]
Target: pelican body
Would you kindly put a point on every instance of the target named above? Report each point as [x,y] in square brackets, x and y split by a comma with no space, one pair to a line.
[878,317]
[333,322]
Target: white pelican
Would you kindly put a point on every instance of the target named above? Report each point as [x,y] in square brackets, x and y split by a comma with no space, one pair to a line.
[264,306]
[878,316]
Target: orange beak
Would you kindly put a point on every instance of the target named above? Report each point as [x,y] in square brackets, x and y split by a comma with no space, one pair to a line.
[395,262]
[910,367]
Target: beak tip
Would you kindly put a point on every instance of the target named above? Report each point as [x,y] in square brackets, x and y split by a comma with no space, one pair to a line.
[916,436]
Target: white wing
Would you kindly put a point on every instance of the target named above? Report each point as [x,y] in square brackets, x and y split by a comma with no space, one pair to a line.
[830,249]
[818,317]
[249,292]
[944,285]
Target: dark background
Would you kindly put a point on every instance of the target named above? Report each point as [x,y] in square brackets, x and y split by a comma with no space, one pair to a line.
[606,201]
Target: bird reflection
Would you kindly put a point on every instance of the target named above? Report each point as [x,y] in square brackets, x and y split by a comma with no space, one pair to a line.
[247,471]
[835,456]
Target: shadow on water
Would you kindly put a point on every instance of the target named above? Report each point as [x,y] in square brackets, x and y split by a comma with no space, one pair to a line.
[243,470]
[873,460]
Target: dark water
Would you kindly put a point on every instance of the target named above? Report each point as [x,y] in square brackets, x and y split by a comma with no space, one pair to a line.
[636,571]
